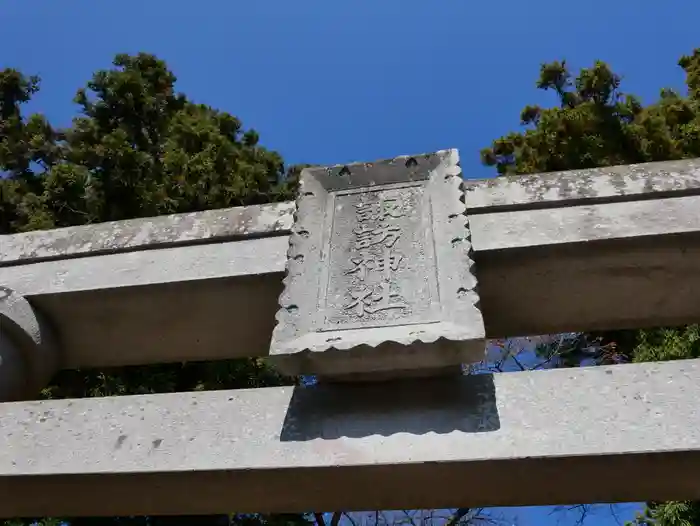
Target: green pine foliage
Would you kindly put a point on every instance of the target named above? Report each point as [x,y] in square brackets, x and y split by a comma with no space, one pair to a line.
[670,513]
[137,149]
[596,124]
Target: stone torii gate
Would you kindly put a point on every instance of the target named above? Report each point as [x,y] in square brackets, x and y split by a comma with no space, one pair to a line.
[375,276]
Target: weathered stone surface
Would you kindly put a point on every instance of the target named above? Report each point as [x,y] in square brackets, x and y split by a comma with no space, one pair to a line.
[580,187]
[632,262]
[625,433]
[590,223]
[217,300]
[220,225]
[379,272]
[29,353]
[575,187]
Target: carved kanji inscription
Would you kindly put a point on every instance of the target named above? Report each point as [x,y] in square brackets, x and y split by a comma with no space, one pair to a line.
[381,267]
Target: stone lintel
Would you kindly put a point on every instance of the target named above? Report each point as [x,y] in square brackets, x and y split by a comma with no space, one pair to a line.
[624,433]
[610,184]
[586,263]
[209,226]
[656,180]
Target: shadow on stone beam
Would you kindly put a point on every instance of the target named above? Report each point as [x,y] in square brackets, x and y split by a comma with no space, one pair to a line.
[355,410]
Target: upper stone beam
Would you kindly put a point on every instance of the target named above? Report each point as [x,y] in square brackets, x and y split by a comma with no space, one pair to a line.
[499,194]
[209,226]
[585,264]
[632,182]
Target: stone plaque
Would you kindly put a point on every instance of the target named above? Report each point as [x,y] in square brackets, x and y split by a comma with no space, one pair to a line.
[379,275]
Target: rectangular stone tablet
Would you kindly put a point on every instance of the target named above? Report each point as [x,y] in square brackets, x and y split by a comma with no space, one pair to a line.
[379,275]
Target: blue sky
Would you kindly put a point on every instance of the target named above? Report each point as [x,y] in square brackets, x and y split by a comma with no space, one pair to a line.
[330,82]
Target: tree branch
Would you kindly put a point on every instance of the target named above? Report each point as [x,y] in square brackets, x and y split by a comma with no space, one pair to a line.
[458,515]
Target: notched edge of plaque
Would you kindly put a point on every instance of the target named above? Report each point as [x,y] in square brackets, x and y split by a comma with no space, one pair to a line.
[294,342]
[457,280]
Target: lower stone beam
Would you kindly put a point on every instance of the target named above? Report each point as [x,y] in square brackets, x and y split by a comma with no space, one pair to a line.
[620,433]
